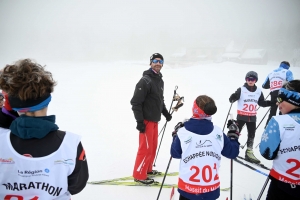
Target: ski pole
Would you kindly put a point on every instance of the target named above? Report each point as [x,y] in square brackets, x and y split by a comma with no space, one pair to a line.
[176,97]
[263,189]
[178,105]
[231,167]
[179,125]
[257,127]
[227,116]
[162,183]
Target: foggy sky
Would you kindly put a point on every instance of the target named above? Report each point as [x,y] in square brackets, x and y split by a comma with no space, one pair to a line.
[92,30]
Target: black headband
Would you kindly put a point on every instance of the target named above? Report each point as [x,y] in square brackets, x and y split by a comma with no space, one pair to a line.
[16,102]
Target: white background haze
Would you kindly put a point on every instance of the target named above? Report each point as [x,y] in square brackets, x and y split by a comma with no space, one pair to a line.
[97,51]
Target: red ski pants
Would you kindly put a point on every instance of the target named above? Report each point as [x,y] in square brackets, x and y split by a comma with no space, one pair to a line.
[147,150]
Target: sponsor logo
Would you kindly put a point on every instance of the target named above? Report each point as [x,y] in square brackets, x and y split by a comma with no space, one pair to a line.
[29,173]
[7,161]
[206,143]
[289,127]
[188,140]
[218,137]
[64,161]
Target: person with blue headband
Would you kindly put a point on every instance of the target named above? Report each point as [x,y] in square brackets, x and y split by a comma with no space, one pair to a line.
[280,142]
[44,162]
[274,82]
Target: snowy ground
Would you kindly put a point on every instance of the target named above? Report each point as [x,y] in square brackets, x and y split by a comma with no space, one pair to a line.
[93,100]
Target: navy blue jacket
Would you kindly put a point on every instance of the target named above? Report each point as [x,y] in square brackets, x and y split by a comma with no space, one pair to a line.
[204,127]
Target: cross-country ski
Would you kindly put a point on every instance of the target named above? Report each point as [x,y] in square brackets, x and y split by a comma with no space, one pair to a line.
[132,183]
[126,178]
[257,164]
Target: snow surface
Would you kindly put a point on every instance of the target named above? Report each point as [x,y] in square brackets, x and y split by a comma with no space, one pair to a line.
[93,100]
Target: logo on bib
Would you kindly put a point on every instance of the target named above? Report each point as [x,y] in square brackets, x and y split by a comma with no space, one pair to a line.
[188,140]
[289,127]
[7,161]
[37,172]
[64,161]
[218,137]
[206,143]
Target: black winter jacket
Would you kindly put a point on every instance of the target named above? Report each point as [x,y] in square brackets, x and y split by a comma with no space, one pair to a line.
[148,98]
[5,120]
[261,102]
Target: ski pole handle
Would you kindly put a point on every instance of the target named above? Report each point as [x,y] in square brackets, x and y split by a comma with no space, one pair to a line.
[178,106]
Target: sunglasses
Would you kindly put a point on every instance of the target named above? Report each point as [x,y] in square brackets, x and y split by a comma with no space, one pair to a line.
[156,61]
[279,100]
[250,79]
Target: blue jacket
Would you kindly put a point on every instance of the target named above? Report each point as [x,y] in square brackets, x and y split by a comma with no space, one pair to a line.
[269,147]
[204,127]
[272,133]
[289,75]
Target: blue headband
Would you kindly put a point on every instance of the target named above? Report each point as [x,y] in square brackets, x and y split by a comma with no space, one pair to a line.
[39,106]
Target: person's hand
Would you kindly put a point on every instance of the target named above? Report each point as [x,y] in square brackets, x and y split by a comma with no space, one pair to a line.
[232,98]
[141,127]
[233,132]
[179,125]
[231,121]
[168,116]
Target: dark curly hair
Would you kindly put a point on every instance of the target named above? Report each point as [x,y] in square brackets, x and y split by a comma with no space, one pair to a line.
[26,79]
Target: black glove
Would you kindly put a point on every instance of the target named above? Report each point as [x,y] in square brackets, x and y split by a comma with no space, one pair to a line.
[178,126]
[233,132]
[141,126]
[231,121]
[168,116]
[232,99]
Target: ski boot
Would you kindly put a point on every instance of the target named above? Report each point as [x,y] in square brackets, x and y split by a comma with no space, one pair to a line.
[147,181]
[153,173]
[249,156]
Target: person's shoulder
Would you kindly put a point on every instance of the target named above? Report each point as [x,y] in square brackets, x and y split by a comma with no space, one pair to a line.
[146,78]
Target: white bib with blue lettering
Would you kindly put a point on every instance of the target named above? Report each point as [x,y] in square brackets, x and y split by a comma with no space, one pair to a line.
[42,178]
[200,161]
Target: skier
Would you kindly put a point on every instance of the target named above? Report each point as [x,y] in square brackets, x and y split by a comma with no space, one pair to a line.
[148,105]
[274,82]
[199,145]
[37,161]
[248,96]
[281,142]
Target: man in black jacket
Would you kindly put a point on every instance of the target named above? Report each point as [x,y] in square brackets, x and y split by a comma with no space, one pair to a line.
[148,105]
